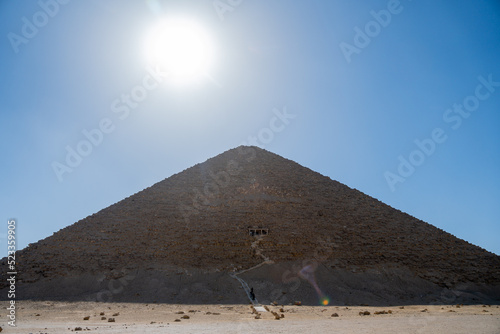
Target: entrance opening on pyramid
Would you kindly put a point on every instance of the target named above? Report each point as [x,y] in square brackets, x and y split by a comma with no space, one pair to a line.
[257,231]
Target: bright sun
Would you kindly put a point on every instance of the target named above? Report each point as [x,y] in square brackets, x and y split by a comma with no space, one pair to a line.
[181,48]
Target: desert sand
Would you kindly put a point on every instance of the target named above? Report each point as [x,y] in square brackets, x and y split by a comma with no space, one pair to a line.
[67,317]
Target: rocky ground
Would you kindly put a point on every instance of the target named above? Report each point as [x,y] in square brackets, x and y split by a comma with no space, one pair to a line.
[66,317]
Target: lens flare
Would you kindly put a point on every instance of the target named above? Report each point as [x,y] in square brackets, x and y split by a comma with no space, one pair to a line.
[308,273]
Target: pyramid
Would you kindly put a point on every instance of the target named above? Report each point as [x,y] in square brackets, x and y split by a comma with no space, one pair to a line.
[250,215]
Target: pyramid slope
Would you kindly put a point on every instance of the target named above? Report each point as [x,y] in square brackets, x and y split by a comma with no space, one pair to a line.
[198,221]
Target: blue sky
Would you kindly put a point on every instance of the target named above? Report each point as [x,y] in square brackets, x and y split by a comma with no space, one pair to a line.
[355,115]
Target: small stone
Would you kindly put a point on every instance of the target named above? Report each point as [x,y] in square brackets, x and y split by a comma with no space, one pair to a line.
[335,315]
[102,313]
[78,328]
[86,318]
[180,312]
[111,320]
[185,317]
[177,320]
[116,314]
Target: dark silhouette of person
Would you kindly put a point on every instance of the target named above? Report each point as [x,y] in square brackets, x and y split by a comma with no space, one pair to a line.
[252,295]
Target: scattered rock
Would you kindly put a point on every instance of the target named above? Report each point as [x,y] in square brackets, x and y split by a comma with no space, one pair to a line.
[78,328]
[103,318]
[177,320]
[297,302]
[37,315]
[381,312]
[180,312]
[282,309]
[335,315]
[102,313]
[86,318]
[276,315]
[257,316]
[364,313]
[424,310]
[215,313]
[116,314]
[192,311]
[111,320]
[401,307]
[185,317]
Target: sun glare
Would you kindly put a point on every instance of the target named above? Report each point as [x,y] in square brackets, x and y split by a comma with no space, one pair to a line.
[181,48]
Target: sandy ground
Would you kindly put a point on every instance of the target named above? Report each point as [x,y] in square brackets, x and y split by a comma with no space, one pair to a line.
[60,317]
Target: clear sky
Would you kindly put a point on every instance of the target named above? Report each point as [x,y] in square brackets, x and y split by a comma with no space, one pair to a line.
[398,99]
